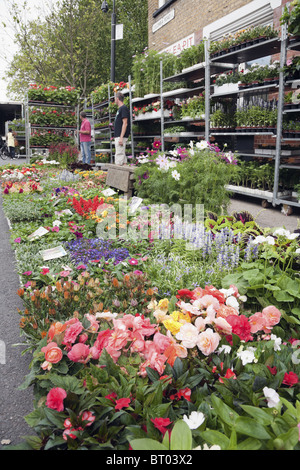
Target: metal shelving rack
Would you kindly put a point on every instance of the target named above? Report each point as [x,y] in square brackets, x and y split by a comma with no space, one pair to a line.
[29,127]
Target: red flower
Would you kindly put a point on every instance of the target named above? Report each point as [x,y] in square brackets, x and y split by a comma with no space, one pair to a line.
[184,393]
[211,290]
[290,379]
[182,293]
[161,423]
[122,403]
[112,397]
[240,326]
[55,399]
[273,370]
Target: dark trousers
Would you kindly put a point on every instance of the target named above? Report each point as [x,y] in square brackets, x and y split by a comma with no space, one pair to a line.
[12,151]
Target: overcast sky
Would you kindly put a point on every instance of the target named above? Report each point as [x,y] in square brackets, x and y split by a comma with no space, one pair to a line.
[35,9]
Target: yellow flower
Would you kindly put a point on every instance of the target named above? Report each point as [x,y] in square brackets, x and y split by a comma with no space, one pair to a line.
[172,325]
[181,317]
[163,304]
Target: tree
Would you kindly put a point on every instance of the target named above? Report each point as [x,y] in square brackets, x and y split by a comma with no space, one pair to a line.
[71,46]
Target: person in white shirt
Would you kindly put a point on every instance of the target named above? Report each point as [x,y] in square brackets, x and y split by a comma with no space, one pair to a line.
[11,142]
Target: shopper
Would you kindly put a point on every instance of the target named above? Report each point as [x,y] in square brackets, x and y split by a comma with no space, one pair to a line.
[122,129]
[11,143]
[85,138]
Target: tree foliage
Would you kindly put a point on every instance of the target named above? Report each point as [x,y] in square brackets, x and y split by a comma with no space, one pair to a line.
[71,45]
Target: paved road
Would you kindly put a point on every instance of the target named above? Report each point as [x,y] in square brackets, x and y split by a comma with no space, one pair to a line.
[14,404]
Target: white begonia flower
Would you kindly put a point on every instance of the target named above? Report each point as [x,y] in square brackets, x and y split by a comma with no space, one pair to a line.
[227,292]
[271,396]
[232,302]
[247,356]
[195,419]
[188,335]
[297,251]
[277,342]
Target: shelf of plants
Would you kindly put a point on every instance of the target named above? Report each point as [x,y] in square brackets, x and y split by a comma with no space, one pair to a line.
[51,117]
[257,116]
[103,111]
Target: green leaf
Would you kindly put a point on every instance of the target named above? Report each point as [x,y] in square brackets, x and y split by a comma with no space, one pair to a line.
[251,427]
[227,414]
[147,444]
[262,416]
[181,437]
[215,438]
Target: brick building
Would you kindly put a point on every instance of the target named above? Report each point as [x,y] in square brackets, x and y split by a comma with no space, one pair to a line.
[176,24]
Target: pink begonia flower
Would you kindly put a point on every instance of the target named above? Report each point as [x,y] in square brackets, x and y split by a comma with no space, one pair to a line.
[55,399]
[272,316]
[94,324]
[79,353]
[17,240]
[257,322]
[27,273]
[28,284]
[72,332]
[208,341]
[55,229]
[188,335]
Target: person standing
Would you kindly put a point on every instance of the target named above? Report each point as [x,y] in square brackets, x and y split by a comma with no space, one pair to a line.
[122,129]
[85,138]
[11,143]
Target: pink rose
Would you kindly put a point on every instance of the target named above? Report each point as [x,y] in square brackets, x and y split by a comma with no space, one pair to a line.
[79,353]
[55,399]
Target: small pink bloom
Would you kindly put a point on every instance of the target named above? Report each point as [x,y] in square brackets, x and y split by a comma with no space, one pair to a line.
[133,261]
[55,399]
[17,240]
[27,273]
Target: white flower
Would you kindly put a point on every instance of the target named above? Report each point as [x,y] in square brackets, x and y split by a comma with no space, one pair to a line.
[175,175]
[194,420]
[272,397]
[247,356]
[106,315]
[270,240]
[205,447]
[285,233]
[224,348]
[202,145]
[232,302]
[259,239]
[277,342]
[189,335]
[56,223]
[297,251]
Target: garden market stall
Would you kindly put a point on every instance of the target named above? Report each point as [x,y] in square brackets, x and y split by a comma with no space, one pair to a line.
[129,339]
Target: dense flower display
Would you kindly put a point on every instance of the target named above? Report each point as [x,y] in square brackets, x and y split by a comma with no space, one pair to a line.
[187,342]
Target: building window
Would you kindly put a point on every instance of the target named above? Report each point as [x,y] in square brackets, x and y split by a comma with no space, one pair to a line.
[162,5]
